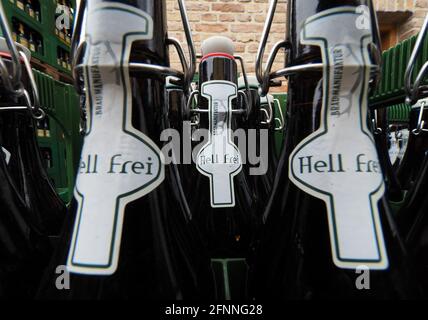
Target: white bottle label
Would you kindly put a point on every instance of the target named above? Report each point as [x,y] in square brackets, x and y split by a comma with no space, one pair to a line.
[219,159]
[119,164]
[339,163]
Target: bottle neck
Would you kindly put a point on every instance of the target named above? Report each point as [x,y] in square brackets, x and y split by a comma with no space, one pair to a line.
[152,51]
[306,88]
[218,68]
[147,89]
[299,11]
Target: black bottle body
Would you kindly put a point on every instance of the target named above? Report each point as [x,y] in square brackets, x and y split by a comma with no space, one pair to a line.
[412,217]
[229,230]
[30,209]
[412,220]
[161,254]
[295,259]
[409,169]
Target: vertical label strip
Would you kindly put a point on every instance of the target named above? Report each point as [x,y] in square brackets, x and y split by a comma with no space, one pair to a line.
[119,164]
[220,159]
[339,163]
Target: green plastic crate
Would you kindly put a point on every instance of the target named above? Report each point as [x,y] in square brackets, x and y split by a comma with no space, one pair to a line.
[391,88]
[45,27]
[399,113]
[62,106]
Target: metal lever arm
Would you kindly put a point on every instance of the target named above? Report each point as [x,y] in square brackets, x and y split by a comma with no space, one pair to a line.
[189,68]
[10,81]
[413,90]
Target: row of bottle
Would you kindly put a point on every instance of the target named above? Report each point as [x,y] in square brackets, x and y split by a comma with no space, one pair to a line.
[34,12]
[63,58]
[31,7]
[47,157]
[43,128]
[28,196]
[66,3]
[307,227]
[64,33]
[316,224]
[31,40]
[27,37]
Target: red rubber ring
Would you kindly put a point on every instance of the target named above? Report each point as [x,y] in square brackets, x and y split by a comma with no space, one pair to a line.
[218,54]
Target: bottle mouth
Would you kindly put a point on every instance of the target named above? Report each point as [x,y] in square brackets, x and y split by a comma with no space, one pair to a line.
[217,54]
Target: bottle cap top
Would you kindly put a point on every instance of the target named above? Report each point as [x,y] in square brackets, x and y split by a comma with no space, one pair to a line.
[218,44]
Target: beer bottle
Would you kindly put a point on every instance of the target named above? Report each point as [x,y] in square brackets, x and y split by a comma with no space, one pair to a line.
[22,36]
[29,8]
[31,43]
[31,211]
[39,47]
[329,232]
[14,31]
[222,198]
[413,224]
[59,57]
[37,15]
[20,4]
[409,169]
[412,217]
[129,234]
[65,60]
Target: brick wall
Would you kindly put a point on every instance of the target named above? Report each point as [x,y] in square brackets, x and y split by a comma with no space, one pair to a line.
[243,21]
[407,15]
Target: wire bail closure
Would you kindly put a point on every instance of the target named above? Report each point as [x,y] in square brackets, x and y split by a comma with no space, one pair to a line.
[194,113]
[265,76]
[13,82]
[421,123]
[416,90]
[183,78]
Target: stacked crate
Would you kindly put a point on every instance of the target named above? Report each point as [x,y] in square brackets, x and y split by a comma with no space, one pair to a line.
[391,88]
[44,27]
[59,133]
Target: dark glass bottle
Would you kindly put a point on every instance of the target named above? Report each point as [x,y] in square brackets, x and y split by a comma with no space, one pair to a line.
[47,210]
[412,218]
[227,225]
[261,121]
[30,210]
[295,258]
[380,120]
[228,229]
[409,169]
[161,255]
